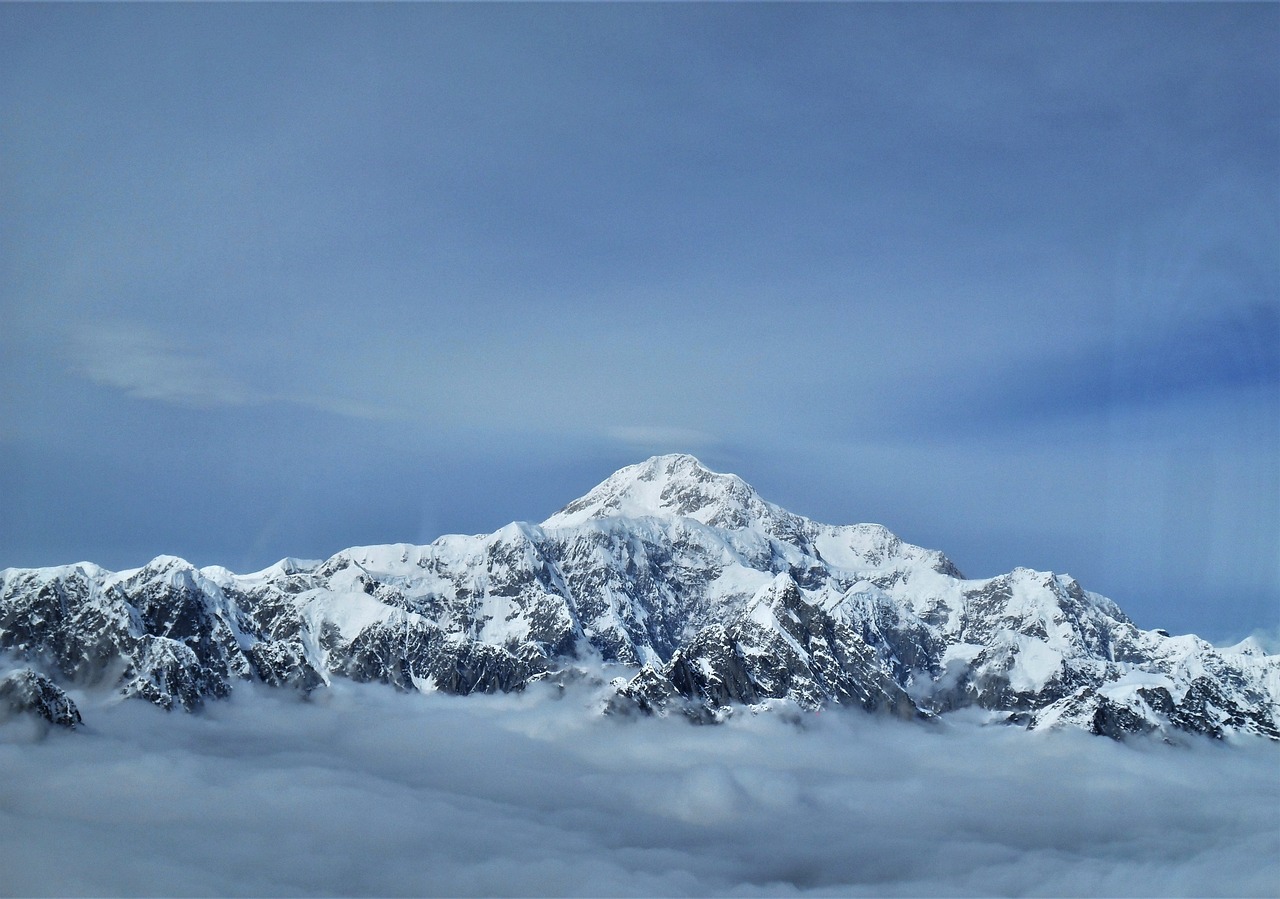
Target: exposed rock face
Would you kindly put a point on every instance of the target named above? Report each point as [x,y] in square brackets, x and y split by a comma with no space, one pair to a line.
[29,692]
[705,596]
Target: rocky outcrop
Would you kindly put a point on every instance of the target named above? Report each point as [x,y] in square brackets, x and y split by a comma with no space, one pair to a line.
[28,692]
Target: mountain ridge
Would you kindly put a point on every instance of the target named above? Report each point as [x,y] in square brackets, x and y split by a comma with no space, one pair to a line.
[698,594]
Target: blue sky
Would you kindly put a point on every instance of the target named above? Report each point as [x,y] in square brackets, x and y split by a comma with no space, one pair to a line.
[281,279]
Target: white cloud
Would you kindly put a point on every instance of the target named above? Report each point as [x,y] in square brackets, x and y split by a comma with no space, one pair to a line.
[365,791]
[147,365]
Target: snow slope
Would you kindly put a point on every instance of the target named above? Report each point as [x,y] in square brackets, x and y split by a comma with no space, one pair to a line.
[694,594]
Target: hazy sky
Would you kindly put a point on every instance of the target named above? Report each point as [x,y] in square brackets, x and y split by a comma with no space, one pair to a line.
[280,279]
[369,792]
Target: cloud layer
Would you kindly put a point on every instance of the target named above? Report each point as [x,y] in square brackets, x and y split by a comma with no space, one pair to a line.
[367,792]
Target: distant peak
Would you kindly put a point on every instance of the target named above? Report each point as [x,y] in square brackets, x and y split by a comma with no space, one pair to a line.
[675,485]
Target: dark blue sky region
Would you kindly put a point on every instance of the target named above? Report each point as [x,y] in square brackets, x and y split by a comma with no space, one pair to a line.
[280,279]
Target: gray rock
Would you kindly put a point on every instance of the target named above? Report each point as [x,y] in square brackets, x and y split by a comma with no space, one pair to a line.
[28,692]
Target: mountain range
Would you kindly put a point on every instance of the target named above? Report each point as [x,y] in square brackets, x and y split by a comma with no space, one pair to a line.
[672,588]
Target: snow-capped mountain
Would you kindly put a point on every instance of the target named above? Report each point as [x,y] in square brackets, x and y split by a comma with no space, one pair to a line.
[687,588]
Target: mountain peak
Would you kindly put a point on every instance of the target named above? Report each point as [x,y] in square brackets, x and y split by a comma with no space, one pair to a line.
[724,598]
[676,485]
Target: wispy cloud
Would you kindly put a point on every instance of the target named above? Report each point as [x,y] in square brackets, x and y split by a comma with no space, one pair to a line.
[145,364]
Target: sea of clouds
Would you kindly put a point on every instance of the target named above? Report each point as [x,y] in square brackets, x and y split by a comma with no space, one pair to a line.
[364,791]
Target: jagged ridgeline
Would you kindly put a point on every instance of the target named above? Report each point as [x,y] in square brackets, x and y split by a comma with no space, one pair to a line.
[694,594]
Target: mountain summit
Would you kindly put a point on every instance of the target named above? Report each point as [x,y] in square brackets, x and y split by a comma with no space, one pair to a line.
[688,590]
[672,486]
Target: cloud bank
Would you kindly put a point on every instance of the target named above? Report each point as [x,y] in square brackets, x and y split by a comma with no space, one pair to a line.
[368,792]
